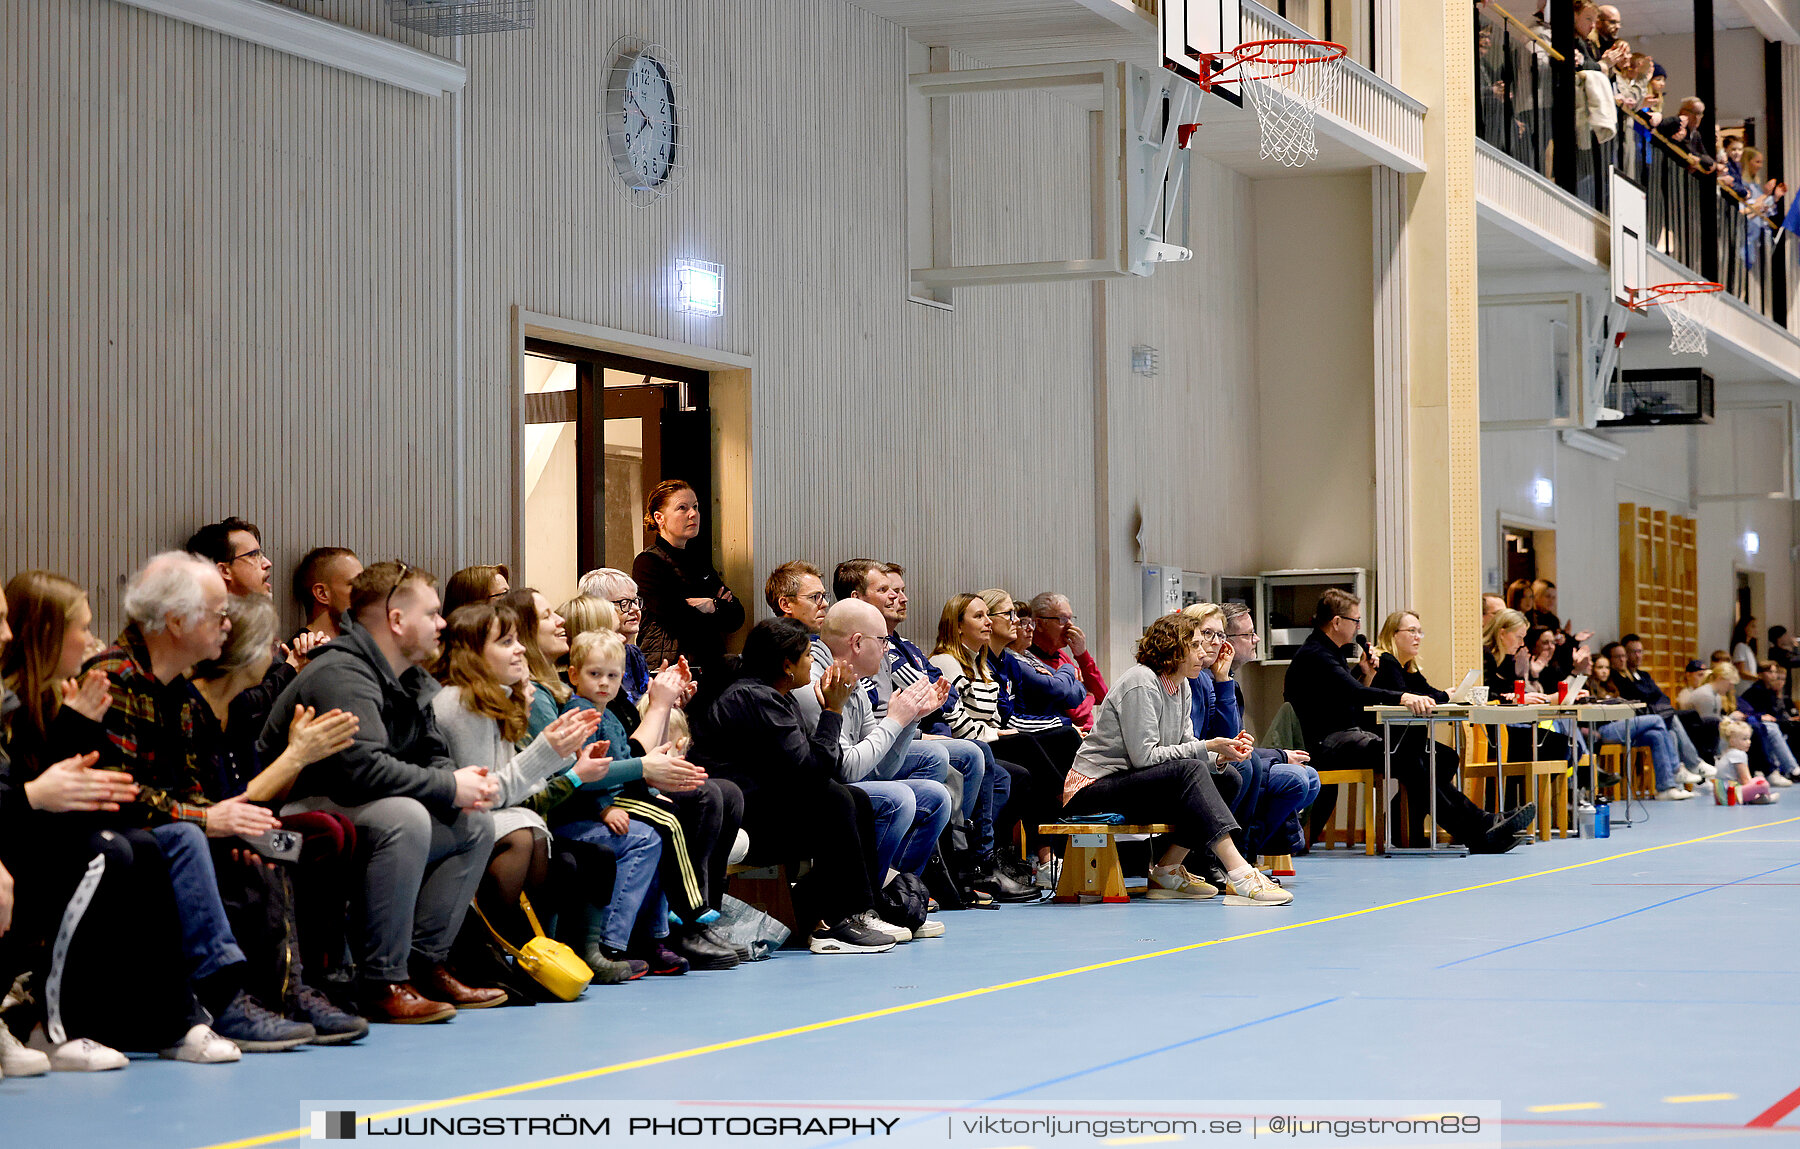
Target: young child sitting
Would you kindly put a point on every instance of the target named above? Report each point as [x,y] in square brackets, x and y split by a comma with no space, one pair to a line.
[1734,765]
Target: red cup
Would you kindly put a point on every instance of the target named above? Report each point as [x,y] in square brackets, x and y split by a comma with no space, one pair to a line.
[1731,795]
[1519,692]
[1562,692]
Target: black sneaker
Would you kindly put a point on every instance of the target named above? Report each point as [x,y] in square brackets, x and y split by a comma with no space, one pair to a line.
[1504,834]
[253,1029]
[663,961]
[333,1026]
[850,936]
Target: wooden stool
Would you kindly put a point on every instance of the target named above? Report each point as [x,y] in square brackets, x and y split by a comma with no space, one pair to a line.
[1643,763]
[1372,819]
[1090,870]
[768,889]
[1546,782]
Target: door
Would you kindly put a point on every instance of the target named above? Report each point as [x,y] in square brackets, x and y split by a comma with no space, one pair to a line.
[598,432]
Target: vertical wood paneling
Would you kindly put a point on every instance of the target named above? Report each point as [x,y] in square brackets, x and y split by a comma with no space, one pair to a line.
[1393,412]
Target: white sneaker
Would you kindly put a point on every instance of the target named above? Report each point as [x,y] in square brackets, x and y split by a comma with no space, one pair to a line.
[1674,794]
[1707,769]
[83,1055]
[1178,885]
[1045,875]
[740,849]
[1777,778]
[1687,777]
[18,1061]
[1257,889]
[204,1047]
[898,933]
[929,928]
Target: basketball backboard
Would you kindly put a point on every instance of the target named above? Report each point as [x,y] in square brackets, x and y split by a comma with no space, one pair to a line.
[1193,28]
[1630,223]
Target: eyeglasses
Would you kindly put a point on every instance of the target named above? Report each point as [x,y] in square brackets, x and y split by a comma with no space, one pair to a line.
[1418,630]
[1251,633]
[251,555]
[1012,614]
[223,614]
[628,605]
[818,598]
[387,604]
[1065,619]
[1212,635]
[1347,618]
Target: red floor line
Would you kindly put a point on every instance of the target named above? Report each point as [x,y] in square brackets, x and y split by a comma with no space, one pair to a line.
[1774,1113]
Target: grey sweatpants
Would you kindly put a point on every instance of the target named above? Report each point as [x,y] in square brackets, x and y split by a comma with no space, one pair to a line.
[421,874]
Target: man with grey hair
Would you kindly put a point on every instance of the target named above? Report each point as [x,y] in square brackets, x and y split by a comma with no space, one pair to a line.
[177,610]
[1057,642]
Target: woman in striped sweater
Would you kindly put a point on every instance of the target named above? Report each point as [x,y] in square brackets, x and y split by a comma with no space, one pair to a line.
[966,652]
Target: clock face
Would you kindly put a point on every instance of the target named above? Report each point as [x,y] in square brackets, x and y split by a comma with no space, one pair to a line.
[641,120]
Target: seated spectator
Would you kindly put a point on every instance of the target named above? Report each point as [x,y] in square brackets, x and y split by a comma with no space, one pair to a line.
[1058,642]
[1634,683]
[911,812]
[618,588]
[1715,696]
[482,712]
[1274,785]
[1743,649]
[695,817]
[1672,779]
[322,587]
[1143,760]
[1400,639]
[796,590]
[1694,674]
[975,777]
[586,612]
[1331,703]
[1491,605]
[750,731]
[421,818]
[546,640]
[178,616]
[475,584]
[688,609]
[280,929]
[1228,712]
[1519,596]
[1760,704]
[1508,675]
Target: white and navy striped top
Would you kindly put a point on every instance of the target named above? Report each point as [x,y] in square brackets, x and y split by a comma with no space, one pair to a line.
[976,714]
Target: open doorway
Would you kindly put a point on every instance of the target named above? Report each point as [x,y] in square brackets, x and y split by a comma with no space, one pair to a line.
[600,430]
[1747,602]
[1527,553]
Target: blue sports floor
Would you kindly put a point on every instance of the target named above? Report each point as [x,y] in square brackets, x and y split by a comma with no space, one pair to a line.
[1636,990]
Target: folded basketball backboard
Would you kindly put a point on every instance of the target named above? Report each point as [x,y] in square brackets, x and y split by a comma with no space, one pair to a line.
[1194,28]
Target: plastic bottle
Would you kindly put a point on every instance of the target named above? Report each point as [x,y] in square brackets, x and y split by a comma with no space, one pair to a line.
[1602,818]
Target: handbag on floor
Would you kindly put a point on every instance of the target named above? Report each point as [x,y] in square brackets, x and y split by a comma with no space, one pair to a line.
[751,931]
[544,960]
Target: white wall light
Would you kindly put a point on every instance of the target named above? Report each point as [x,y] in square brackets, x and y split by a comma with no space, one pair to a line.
[701,286]
[1752,543]
[1543,493]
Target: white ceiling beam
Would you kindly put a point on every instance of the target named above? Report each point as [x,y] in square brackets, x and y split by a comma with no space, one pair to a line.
[321,41]
[1775,19]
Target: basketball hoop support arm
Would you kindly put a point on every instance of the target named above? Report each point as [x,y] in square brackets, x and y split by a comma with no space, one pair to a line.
[1606,341]
[1138,175]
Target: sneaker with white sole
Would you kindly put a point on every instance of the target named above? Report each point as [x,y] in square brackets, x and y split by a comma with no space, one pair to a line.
[1707,769]
[870,920]
[849,936]
[202,1047]
[1777,778]
[1255,889]
[17,1060]
[1045,875]
[1687,777]
[929,928]
[82,1055]
[1674,794]
[1178,885]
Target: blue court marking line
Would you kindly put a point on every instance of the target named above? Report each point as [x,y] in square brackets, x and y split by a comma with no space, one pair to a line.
[1620,917]
[963,995]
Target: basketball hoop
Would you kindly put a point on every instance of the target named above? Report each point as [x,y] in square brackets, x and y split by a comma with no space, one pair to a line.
[1688,304]
[1283,86]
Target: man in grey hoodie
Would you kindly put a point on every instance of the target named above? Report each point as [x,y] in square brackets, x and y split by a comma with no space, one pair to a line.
[423,821]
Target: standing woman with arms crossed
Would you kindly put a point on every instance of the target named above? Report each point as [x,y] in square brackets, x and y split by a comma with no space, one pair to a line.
[688,609]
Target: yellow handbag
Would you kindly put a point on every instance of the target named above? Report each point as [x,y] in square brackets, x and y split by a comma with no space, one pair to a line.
[546,961]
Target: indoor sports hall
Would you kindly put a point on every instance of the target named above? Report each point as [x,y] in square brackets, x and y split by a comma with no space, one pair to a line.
[976,572]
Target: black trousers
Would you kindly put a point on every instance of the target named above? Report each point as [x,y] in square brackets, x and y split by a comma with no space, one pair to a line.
[1043,759]
[259,902]
[1361,750]
[1182,793]
[710,818]
[817,820]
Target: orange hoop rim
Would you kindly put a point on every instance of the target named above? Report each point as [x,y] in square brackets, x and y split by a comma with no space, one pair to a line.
[1214,66]
[1662,293]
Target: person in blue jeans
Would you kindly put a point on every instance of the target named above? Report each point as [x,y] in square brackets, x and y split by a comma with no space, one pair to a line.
[1642,730]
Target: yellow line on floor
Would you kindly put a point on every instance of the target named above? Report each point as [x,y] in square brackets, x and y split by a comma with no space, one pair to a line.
[963,995]
[1567,1107]
[1683,1099]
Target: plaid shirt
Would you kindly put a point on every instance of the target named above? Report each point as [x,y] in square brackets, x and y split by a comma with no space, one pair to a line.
[150,733]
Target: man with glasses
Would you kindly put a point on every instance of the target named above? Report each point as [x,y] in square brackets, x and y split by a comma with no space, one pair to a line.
[236,546]
[422,820]
[1330,703]
[1059,642]
[796,590]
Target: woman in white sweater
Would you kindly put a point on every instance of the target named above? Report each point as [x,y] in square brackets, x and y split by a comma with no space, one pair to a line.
[1142,760]
[481,712]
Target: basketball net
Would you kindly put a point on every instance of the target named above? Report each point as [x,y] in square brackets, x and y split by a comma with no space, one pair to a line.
[1286,88]
[1689,307]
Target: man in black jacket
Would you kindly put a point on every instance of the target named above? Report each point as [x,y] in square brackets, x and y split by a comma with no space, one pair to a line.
[424,821]
[1330,703]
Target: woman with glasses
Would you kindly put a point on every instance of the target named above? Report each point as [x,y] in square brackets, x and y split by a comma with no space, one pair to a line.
[620,589]
[688,609]
[475,584]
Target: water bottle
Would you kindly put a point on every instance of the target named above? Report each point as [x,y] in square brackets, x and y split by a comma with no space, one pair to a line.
[1602,818]
[1584,816]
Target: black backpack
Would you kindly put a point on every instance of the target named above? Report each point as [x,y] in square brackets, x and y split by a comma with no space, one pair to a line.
[902,902]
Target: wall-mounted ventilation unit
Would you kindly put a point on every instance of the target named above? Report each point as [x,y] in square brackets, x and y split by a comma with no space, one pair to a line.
[463,17]
[1659,397]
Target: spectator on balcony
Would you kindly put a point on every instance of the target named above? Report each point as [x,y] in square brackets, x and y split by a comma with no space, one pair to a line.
[1687,130]
[1632,85]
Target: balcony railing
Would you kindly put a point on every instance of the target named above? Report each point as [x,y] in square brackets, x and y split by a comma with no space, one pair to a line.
[1522,83]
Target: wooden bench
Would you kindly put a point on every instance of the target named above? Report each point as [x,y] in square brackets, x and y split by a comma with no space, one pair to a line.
[1090,869]
[768,889]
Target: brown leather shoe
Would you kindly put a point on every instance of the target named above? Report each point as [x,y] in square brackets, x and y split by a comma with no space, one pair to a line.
[439,982]
[401,1004]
